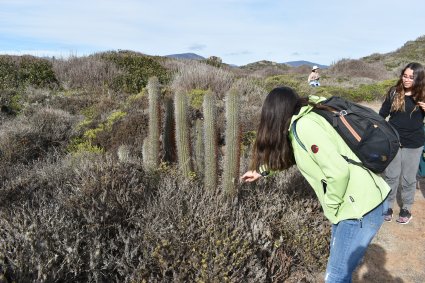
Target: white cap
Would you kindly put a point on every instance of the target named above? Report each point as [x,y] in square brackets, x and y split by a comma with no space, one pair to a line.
[315,68]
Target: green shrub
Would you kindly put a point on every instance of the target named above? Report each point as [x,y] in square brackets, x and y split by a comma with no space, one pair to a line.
[21,71]
[137,69]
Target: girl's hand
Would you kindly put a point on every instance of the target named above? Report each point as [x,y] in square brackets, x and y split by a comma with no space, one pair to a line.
[250,176]
[422,105]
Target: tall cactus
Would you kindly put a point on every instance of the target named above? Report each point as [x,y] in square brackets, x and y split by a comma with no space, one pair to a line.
[232,136]
[169,136]
[154,122]
[199,146]
[182,133]
[210,141]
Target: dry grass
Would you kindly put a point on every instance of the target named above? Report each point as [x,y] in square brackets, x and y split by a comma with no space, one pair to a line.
[196,75]
[346,69]
[90,73]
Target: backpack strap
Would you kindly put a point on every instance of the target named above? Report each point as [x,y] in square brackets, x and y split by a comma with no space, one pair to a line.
[349,160]
[294,133]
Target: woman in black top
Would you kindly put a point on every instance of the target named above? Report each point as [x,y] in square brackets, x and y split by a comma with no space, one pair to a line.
[405,103]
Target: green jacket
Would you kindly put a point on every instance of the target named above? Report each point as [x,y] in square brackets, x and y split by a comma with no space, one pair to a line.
[345,191]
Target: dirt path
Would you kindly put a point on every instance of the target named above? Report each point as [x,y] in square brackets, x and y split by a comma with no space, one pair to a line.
[397,253]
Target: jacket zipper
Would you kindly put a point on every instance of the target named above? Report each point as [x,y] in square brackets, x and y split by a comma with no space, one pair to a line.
[354,207]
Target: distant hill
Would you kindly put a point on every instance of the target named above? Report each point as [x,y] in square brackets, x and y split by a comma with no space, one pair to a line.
[300,63]
[191,56]
[411,51]
[264,64]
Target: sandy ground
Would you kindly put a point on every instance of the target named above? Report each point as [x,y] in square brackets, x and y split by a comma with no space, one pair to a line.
[397,253]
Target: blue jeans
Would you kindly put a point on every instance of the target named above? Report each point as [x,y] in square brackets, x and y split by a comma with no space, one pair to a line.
[349,241]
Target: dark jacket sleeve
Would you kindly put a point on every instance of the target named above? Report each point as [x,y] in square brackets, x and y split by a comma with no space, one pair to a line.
[385,107]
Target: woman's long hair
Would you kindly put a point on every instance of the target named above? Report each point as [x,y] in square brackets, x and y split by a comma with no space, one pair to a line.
[418,87]
[272,146]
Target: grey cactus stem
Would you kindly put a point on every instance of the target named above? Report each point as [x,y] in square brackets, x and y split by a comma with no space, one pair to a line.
[169,136]
[182,133]
[145,152]
[210,141]
[154,121]
[199,146]
[232,137]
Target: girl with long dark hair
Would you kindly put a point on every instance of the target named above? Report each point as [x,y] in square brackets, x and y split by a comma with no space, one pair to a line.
[405,104]
[352,198]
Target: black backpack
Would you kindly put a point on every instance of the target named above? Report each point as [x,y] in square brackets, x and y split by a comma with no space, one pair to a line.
[374,141]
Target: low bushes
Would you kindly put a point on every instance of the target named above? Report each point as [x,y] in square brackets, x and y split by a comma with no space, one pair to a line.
[34,133]
[90,218]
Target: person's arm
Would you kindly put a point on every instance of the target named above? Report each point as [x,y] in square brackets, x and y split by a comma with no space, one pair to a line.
[309,77]
[324,152]
[385,107]
[422,105]
[250,176]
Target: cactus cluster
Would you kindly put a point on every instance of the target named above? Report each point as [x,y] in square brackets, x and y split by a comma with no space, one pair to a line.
[203,163]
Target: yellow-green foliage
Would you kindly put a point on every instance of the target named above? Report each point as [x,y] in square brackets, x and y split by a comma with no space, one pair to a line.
[79,145]
[196,97]
[136,97]
[138,68]
[15,102]
[85,143]
[115,116]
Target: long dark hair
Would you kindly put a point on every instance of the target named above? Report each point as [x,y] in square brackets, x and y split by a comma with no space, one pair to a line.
[418,88]
[272,146]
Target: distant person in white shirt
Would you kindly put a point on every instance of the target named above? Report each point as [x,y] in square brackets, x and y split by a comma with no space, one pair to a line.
[313,78]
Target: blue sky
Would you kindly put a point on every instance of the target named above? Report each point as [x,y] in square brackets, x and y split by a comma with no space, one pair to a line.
[238,31]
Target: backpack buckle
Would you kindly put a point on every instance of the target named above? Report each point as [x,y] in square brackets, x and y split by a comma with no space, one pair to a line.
[343,113]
